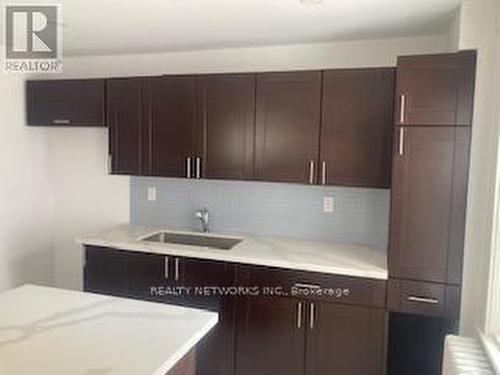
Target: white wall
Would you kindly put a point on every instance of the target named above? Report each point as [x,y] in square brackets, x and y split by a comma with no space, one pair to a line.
[492,325]
[87,200]
[274,58]
[479,21]
[25,195]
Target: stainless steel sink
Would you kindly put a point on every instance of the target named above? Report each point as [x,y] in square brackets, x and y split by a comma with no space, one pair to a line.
[220,243]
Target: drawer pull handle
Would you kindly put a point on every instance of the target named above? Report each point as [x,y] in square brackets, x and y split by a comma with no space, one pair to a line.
[299,315]
[311,317]
[176,265]
[311,172]
[430,301]
[166,268]
[198,167]
[402,111]
[308,286]
[59,121]
[323,173]
[401,146]
[188,167]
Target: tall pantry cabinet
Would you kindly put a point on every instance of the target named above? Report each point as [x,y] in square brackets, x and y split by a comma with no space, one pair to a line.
[433,116]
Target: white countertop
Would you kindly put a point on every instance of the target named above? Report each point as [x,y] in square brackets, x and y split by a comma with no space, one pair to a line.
[51,331]
[283,252]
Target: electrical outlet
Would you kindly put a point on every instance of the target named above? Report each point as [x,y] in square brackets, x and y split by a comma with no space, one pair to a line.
[328,204]
[152,194]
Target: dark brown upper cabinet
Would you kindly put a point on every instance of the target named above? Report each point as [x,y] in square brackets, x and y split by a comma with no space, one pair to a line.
[429,187]
[435,89]
[66,102]
[347,340]
[288,126]
[125,118]
[175,139]
[357,120]
[228,112]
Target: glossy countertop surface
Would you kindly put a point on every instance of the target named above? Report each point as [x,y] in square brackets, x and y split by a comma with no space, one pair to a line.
[283,252]
[60,332]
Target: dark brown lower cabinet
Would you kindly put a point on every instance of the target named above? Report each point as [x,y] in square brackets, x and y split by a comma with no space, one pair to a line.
[105,271]
[270,336]
[289,336]
[343,333]
[216,351]
[153,277]
[158,278]
[416,343]
[422,314]
[345,340]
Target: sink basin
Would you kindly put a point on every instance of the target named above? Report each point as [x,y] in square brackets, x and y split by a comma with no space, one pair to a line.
[220,243]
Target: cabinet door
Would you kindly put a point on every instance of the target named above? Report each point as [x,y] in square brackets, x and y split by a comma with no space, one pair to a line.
[416,344]
[270,336]
[105,271]
[126,125]
[215,353]
[357,127]
[347,340]
[66,102]
[229,121]
[287,126]
[153,277]
[428,203]
[176,135]
[435,89]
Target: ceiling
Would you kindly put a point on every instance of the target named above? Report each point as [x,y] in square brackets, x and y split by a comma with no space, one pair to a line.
[133,26]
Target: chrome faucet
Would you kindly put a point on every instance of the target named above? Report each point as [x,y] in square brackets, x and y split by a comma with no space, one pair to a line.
[204,218]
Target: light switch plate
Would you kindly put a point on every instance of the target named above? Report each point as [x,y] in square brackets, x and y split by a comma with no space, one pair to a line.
[328,204]
[152,194]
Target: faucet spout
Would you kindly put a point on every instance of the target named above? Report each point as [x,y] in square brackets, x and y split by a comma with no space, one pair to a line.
[204,216]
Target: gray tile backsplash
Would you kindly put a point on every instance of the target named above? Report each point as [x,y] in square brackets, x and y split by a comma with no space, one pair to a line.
[360,215]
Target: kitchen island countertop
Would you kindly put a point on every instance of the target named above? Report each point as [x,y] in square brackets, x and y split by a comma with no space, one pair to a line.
[50,331]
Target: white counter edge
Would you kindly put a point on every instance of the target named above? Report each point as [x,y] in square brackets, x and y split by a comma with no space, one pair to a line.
[189,253]
[186,348]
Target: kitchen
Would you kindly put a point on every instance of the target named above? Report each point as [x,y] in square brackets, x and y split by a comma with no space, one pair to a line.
[337,171]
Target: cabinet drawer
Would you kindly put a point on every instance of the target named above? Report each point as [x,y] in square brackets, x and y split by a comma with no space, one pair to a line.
[314,286]
[423,298]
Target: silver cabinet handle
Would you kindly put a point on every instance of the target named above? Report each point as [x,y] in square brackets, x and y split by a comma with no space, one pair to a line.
[402,108]
[176,269]
[299,315]
[59,121]
[166,268]
[308,286]
[188,167]
[311,317]
[323,173]
[198,167]
[430,301]
[401,145]
[311,172]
